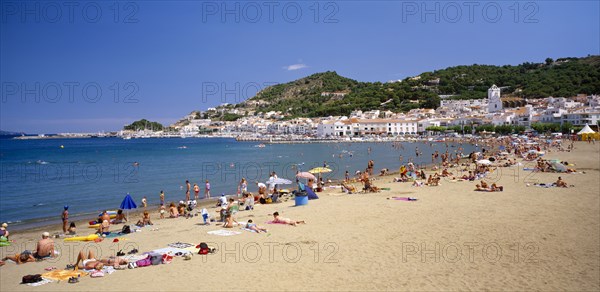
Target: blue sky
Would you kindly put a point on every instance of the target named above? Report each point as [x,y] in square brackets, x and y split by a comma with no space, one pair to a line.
[100,65]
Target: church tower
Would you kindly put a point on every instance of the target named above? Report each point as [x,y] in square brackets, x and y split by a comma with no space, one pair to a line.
[494,102]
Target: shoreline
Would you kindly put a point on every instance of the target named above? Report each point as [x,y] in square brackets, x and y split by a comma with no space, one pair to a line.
[84,218]
[44,224]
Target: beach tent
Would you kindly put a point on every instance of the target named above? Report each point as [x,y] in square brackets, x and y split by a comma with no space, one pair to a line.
[587,133]
[128,204]
[558,166]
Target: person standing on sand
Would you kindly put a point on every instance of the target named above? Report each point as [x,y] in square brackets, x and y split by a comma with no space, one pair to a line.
[196,191]
[207,190]
[144,202]
[187,192]
[162,198]
[65,218]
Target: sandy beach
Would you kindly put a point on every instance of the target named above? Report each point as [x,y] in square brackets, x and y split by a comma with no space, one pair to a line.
[451,238]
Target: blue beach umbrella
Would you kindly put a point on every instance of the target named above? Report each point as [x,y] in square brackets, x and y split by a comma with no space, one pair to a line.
[128,204]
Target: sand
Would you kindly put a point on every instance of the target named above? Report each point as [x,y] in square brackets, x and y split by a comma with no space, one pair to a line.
[452,238]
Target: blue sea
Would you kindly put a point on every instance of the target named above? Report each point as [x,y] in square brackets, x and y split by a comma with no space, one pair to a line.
[39,177]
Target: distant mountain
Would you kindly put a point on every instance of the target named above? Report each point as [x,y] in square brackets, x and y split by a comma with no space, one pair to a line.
[327,93]
[7,133]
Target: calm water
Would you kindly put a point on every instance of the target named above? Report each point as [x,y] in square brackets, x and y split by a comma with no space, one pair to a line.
[38,177]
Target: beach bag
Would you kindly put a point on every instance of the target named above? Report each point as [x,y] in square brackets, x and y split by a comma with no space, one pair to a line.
[155,258]
[126,229]
[203,248]
[167,258]
[31,279]
[144,263]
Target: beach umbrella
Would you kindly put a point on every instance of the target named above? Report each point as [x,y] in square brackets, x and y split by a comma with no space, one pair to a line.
[306,175]
[484,162]
[128,204]
[278,181]
[319,170]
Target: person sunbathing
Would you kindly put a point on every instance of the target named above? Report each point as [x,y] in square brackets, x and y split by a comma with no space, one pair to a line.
[253,226]
[435,181]
[145,220]
[429,180]
[484,185]
[103,229]
[348,188]
[470,176]
[120,218]
[3,231]
[90,262]
[21,258]
[173,213]
[277,219]
[44,250]
[417,184]
[368,187]
[478,187]
[72,229]
[496,188]
[561,183]
[383,172]
[446,173]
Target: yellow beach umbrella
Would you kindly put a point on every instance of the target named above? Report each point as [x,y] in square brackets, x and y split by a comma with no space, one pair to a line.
[319,170]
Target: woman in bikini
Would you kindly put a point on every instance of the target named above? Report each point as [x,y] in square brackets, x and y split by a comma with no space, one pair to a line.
[91,263]
[277,219]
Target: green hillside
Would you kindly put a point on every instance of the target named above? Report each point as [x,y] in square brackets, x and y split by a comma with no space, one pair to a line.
[561,78]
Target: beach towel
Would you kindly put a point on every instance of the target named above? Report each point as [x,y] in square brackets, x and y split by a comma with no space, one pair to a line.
[40,283]
[63,275]
[223,232]
[133,257]
[248,229]
[408,199]
[542,185]
[169,250]
[181,245]
[107,270]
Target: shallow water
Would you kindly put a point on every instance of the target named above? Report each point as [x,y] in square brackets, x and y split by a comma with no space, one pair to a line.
[38,177]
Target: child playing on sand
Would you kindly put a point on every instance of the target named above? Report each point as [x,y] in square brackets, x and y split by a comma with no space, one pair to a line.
[277,219]
[196,191]
[162,211]
[207,189]
[228,221]
[205,216]
[254,227]
[72,229]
